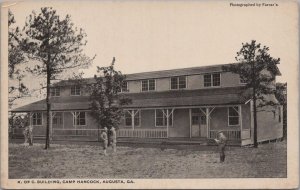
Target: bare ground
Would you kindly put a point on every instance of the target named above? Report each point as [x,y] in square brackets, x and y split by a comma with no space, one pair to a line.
[88,161]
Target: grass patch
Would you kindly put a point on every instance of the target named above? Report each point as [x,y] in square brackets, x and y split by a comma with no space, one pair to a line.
[88,161]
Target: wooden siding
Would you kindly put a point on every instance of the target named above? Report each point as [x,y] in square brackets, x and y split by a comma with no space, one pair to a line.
[269,126]
[219,120]
[181,124]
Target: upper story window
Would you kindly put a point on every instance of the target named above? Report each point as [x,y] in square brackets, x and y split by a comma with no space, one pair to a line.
[75,91]
[55,91]
[148,85]
[124,87]
[212,79]
[37,119]
[178,82]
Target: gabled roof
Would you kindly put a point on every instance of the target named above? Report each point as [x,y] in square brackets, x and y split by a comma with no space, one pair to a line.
[178,98]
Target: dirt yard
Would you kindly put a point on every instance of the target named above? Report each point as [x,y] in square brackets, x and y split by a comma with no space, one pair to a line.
[88,161]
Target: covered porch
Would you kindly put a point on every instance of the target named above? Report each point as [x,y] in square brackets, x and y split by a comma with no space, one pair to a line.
[197,122]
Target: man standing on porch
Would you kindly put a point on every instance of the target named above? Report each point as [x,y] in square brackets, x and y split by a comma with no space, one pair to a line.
[105,140]
[221,141]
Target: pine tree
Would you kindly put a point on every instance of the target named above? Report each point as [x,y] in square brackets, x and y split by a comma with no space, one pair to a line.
[55,45]
[258,70]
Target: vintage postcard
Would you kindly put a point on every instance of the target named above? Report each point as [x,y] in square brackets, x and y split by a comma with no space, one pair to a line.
[149,94]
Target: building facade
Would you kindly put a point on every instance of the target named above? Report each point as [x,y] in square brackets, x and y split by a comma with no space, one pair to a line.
[191,103]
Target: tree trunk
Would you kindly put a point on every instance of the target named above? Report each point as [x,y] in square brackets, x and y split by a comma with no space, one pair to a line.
[255,144]
[47,145]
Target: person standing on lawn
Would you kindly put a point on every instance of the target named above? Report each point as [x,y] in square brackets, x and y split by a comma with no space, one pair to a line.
[28,131]
[221,141]
[113,136]
[105,140]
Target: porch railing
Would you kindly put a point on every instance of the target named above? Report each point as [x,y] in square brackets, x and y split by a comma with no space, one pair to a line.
[75,132]
[230,134]
[143,133]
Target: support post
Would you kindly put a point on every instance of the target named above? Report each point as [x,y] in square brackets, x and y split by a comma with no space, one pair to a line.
[207,122]
[190,114]
[241,120]
[168,123]
[132,119]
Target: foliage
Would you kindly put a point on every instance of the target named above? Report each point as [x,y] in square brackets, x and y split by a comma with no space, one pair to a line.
[281,90]
[258,70]
[281,96]
[16,89]
[106,101]
[56,47]
[54,42]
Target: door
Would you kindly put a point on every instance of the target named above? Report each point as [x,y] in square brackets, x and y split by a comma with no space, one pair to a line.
[203,126]
[199,127]
[195,126]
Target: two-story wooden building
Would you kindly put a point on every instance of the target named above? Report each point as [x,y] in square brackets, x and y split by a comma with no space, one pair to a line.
[189,103]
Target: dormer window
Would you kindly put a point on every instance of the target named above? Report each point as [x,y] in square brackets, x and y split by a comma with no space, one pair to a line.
[148,85]
[178,82]
[75,91]
[212,80]
[55,91]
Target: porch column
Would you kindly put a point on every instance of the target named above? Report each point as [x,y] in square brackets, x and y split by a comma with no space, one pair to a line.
[207,122]
[132,119]
[167,123]
[63,119]
[190,114]
[30,118]
[241,119]
[251,119]
[52,114]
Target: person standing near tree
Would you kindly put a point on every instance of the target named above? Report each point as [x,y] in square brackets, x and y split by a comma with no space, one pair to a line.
[221,141]
[28,131]
[113,136]
[104,137]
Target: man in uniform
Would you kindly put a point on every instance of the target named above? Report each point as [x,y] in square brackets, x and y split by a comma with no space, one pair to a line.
[114,139]
[105,140]
[28,131]
[221,141]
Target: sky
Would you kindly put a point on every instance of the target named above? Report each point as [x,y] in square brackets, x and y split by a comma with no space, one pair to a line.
[159,35]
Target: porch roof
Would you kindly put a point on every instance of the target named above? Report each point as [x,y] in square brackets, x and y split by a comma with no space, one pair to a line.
[176,98]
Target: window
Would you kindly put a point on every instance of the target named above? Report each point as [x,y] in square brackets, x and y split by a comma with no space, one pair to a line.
[57,119]
[161,117]
[79,118]
[124,87]
[178,82]
[203,120]
[148,85]
[195,120]
[75,91]
[128,119]
[233,116]
[37,119]
[216,79]
[212,79]
[55,91]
